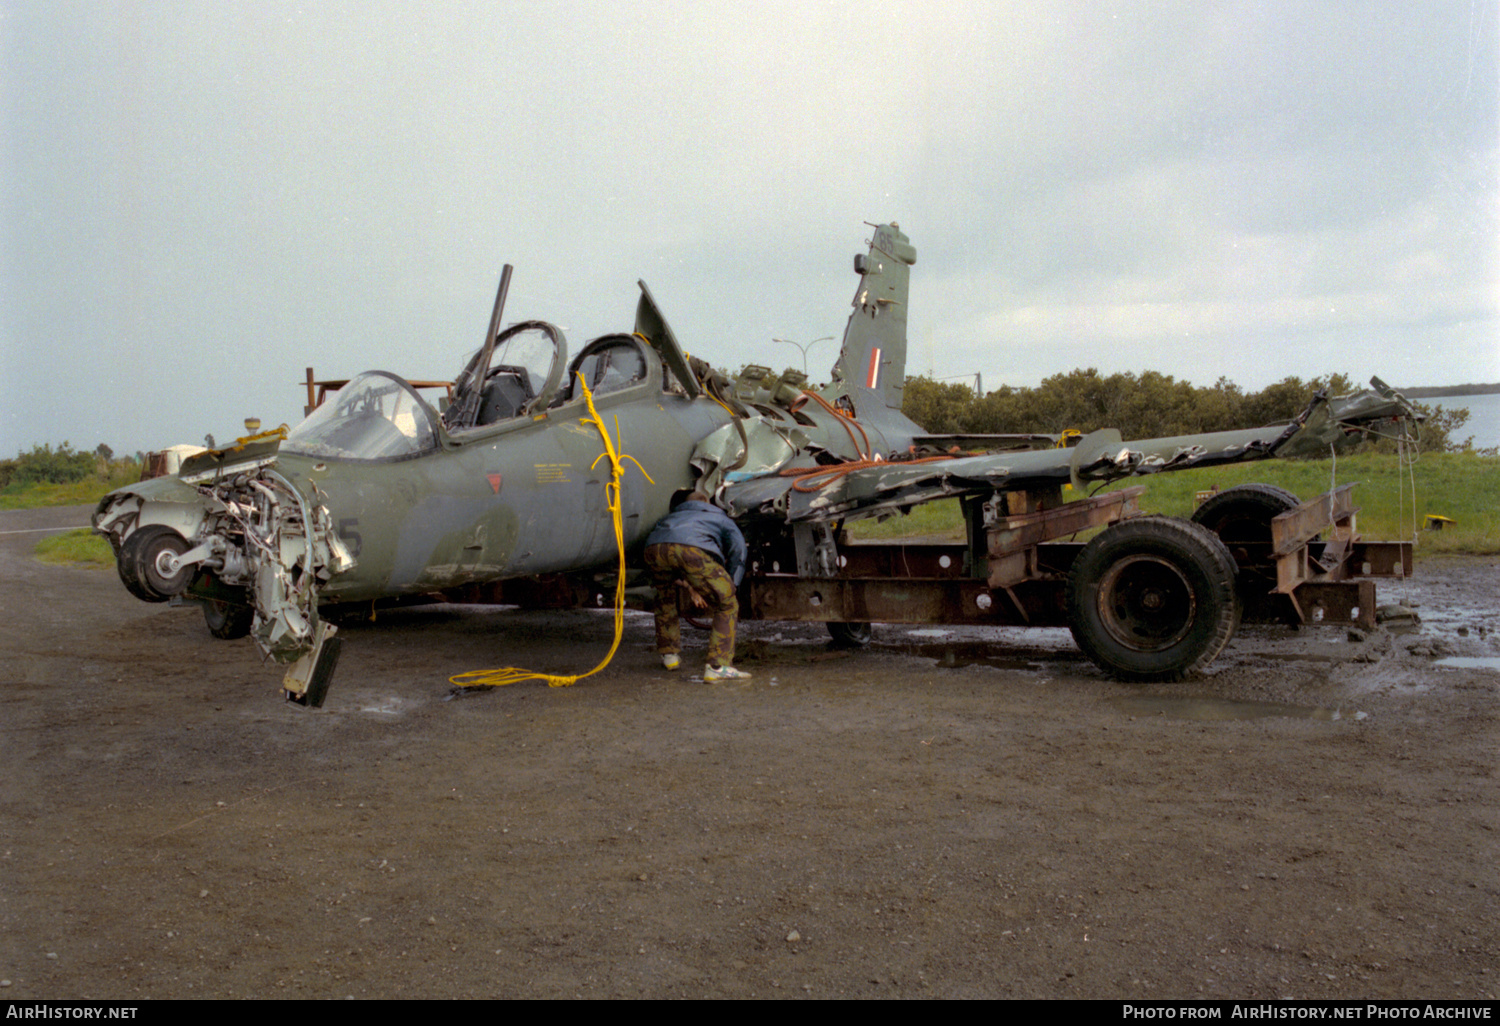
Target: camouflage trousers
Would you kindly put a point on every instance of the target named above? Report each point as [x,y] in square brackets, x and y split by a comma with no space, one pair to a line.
[673,562]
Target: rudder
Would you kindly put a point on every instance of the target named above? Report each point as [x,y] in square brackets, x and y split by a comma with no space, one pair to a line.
[873,357]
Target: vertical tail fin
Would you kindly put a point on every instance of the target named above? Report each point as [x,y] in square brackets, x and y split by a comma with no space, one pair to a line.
[872,363]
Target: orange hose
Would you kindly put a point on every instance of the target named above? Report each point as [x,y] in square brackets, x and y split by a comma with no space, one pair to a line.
[838,470]
[846,420]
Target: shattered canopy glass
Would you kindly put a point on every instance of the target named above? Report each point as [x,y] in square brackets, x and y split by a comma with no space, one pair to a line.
[375,416]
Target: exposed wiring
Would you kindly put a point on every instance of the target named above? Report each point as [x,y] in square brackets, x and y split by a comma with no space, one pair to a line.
[811,479]
[850,425]
[511,674]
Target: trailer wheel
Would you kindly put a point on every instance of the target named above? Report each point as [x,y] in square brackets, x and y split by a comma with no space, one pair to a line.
[1153,599]
[1241,516]
[1244,513]
[850,635]
[227,620]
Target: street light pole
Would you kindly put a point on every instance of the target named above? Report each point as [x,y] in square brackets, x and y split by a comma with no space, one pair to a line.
[978,385]
[804,348]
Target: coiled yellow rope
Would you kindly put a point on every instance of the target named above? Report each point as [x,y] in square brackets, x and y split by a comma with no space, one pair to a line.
[511,674]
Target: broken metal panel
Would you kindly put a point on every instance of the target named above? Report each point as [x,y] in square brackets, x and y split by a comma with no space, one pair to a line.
[1013,533]
[1381,559]
[1336,602]
[889,486]
[1347,418]
[650,324]
[306,681]
[898,484]
[248,455]
[746,447]
[1291,532]
[1331,510]
[1104,456]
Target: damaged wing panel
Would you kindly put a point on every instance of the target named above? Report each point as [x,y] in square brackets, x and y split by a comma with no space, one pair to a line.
[885,487]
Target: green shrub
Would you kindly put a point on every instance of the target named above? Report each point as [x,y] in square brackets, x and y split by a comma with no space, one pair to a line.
[46,465]
[62,477]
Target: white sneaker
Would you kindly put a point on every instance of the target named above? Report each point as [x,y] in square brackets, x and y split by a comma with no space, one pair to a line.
[671,660]
[725,672]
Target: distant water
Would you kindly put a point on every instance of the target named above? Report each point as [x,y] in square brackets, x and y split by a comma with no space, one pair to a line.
[1484,417]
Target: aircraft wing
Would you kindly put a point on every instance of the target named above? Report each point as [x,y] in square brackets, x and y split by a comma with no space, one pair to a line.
[868,489]
[801,492]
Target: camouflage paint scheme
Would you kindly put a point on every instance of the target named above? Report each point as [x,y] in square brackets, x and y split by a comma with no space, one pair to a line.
[507,483]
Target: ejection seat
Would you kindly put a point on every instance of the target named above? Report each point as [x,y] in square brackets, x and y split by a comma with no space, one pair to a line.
[608,363]
[506,394]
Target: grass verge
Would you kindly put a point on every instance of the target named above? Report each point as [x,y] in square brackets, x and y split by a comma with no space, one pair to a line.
[76,548]
[76,493]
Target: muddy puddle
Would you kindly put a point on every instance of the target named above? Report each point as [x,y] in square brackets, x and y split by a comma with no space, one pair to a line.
[953,654]
[1470,662]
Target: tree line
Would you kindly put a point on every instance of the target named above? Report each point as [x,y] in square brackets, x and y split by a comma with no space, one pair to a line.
[43,464]
[1145,405]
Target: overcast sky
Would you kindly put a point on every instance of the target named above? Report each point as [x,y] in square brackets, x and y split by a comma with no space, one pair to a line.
[200,199]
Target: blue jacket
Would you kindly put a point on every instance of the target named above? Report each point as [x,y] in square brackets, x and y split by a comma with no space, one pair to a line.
[707,527]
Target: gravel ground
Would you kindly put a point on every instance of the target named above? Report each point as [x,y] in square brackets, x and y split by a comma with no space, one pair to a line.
[976,813]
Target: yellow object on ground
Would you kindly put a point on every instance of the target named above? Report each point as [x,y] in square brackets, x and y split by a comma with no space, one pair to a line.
[511,674]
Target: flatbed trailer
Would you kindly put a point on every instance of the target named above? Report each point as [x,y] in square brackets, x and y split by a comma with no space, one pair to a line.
[1147,598]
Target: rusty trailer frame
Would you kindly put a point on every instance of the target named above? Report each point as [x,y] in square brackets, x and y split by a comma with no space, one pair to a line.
[1013,568]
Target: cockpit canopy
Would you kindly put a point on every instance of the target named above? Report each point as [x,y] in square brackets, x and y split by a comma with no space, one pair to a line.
[376,416]
[516,375]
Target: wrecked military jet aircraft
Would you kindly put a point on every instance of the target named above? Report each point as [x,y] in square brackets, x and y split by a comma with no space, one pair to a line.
[504,496]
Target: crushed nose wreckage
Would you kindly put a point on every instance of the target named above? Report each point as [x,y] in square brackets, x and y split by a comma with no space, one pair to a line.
[504,495]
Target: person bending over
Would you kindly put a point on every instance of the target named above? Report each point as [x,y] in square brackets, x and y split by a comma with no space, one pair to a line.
[700,546]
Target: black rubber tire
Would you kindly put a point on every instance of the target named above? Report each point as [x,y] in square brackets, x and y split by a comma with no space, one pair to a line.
[141,549]
[227,620]
[125,567]
[1241,516]
[851,635]
[1153,599]
[1244,513]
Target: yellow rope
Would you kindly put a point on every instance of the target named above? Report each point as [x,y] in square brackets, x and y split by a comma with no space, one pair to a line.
[511,674]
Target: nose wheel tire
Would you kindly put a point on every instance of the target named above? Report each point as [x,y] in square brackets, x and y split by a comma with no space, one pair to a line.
[1153,599]
[143,564]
